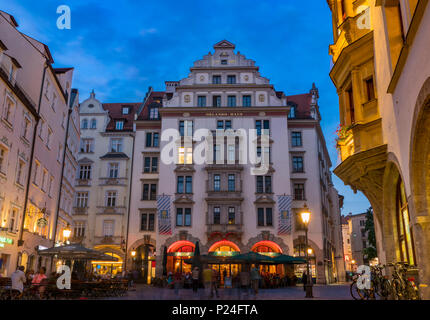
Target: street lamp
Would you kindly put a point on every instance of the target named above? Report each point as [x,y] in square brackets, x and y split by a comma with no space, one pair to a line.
[67,232]
[306,216]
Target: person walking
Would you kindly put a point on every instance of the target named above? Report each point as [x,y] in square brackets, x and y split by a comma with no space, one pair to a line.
[195,276]
[245,280]
[255,279]
[177,281]
[18,279]
[214,283]
[39,281]
[207,280]
[304,280]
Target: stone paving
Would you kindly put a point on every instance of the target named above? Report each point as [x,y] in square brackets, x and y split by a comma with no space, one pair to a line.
[320,292]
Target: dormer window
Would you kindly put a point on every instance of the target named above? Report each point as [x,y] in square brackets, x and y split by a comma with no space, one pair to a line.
[125,110]
[119,125]
[153,113]
[11,73]
[292,113]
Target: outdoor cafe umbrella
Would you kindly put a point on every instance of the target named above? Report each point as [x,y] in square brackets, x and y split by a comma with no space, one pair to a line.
[76,252]
[196,259]
[250,257]
[165,261]
[286,259]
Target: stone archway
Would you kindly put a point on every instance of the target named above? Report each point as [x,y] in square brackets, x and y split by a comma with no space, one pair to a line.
[266,236]
[419,168]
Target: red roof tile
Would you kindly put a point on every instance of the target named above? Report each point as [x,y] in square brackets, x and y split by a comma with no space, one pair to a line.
[155,98]
[303,102]
[115,113]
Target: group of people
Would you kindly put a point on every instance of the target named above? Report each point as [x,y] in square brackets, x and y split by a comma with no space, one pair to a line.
[36,281]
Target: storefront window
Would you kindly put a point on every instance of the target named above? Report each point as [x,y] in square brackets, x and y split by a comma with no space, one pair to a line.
[177,255]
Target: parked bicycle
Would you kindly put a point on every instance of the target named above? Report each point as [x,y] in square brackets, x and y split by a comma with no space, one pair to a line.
[403,288]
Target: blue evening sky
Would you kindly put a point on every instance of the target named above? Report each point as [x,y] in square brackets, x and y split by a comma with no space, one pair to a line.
[120,48]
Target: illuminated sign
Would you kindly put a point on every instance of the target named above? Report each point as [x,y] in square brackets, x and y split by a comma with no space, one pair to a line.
[224,253]
[5,240]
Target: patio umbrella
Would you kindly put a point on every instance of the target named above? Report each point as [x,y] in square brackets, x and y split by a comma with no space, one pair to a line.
[165,261]
[286,259]
[196,259]
[76,252]
[250,257]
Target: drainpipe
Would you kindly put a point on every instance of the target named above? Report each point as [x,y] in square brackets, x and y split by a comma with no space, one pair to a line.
[21,230]
[69,113]
[129,203]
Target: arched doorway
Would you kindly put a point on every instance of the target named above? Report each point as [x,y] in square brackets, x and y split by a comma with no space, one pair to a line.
[271,249]
[225,248]
[144,261]
[177,253]
[300,251]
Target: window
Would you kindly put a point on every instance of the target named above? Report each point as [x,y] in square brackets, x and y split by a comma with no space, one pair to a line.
[51,181]
[154,166]
[152,139]
[362,223]
[264,184]
[185,155]
[9,109]
[44,175]
[231,153]
[85,172]
[79,229]
[298,164]
[149,191]
[153,113]
[59,153]
[363,232]
[93,124]
[108,228]
[26,128]
[231,215]
[186,128]
[404,229]
[113,170]
[217,182]
[264,219]
[36,173]
[116,145]
[54,101]
[2,160]
[231,101]
[147,164]
[184,184]
[84,124]
[223,62]
[299,191]
[370,89]
[364,244]
[49,138]
[147,222]
[262,124]
[231,79]
[183,217]
[216,101]
[82,199]
[296,139]
[111,198]
[292,113]
[221,124]
[217,153]
[119,125]
[350,98]
[217,215]
[231,182]
[201,101]
[87,145]
[20,172]
[125,110]
[216,79]
[12,219]
[246,101]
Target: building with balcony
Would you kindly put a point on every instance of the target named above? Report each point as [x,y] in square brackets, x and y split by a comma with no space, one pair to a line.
[34,109]
[382,75]
[102,184]
[218,200]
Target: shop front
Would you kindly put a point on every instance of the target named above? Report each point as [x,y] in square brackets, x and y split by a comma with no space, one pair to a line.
[222,249]
[300,252]
[177,254]
[6,254]
[270,249]
[108,268]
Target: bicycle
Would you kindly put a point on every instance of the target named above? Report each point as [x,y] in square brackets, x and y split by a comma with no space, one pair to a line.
[403,288]
[380,285]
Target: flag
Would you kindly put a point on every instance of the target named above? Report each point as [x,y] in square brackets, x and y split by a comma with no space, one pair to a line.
[164,220]
[285,215]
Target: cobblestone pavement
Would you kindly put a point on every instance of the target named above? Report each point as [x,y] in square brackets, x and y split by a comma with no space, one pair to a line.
[320,292]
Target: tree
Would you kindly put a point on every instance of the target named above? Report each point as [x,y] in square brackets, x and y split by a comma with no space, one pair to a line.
[370,251]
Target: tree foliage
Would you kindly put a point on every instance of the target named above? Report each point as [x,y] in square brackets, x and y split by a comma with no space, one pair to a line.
[370,251]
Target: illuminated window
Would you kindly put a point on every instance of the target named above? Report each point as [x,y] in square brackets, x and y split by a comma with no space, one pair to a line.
[185,155]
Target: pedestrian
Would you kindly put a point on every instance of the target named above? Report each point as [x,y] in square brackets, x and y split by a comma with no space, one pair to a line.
[177,281]
[39,280]
[304,280]
[195,276]
[255,278]
[207,280]
[18,279]
[214,283]
[244,279]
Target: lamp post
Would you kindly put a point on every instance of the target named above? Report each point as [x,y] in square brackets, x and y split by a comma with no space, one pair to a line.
[306,215]
[66,233]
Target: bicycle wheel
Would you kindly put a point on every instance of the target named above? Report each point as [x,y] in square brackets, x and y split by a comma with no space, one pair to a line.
[357,293]
[397,290]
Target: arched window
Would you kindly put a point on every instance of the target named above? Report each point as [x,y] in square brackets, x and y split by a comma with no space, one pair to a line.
[84,124]
[93,124]
[404,231]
